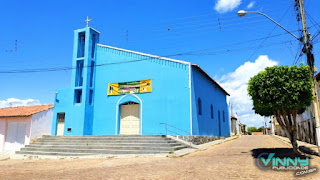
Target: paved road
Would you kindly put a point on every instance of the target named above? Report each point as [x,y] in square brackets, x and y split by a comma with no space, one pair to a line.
[230,160]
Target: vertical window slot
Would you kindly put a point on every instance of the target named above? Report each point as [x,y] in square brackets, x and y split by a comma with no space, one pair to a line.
[79,73]
[77,95]
[81,44]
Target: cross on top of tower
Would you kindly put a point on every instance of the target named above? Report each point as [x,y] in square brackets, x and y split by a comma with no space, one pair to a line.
[87,21]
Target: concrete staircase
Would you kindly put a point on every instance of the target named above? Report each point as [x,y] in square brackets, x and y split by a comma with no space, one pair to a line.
[101,145]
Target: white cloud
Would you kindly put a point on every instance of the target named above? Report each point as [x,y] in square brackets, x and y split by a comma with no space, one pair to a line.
[223,6]
[236,83]
[13,102]
[250,5]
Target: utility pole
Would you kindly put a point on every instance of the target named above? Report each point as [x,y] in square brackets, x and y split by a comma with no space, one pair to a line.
[307,49]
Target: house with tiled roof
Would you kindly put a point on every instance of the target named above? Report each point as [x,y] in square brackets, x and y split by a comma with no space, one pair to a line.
[21,125]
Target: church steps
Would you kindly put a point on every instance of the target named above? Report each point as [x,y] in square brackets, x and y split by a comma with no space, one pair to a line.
[105,141]
[109,153]
[103,138]
[95,149]
[97,152]
[101,145]
[34,154]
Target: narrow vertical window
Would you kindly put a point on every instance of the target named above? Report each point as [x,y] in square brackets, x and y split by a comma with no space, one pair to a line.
[91,73]
[93,45]
[79,73]
[81,44]
[90,97]
[224,118]
[219,116]
[211,110]
[199,107]
[77,95]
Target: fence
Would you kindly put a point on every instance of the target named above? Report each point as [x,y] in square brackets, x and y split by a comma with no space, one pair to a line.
[306,131]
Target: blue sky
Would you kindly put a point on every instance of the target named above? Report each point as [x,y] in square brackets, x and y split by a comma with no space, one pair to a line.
[207,32]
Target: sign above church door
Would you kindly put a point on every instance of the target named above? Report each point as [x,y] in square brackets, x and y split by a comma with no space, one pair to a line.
[132,87]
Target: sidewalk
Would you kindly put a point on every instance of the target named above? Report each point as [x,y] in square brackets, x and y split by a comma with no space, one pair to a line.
[307,147]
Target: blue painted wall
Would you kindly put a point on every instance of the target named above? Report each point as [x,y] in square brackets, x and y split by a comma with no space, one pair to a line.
[209,94]
[169,101]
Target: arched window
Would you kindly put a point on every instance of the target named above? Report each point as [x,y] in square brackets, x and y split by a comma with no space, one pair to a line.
[224,118]
[199,107]
[211,110]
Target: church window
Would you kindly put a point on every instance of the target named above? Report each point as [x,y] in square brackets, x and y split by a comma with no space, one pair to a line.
[91,73]
[93,46]
[224,118]
[81,44]
[211,110]
[77,95]
[79,73]
[90,96]
[199,107]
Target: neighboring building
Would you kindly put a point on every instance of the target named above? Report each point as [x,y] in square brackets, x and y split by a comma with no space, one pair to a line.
[234,126]
[257,133]
[117,91]
[21,125]
[242,128]
[268,131]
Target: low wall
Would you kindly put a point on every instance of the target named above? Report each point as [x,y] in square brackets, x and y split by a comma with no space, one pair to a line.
[196,140]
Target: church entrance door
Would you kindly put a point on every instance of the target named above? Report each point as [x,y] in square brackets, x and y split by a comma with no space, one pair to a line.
[129,119]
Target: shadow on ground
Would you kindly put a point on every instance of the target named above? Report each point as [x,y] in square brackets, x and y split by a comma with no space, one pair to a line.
[279,152]
[307,150]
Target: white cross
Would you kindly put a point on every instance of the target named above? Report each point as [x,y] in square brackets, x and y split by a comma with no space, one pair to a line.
[87,21]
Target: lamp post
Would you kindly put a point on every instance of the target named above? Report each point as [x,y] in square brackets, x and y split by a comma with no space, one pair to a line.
[308,51]
[242,13]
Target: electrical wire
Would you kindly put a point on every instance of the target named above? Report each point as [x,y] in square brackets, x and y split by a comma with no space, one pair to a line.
[256,49]
[16,71]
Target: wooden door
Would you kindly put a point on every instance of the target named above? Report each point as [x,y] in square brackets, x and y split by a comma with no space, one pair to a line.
[130,119]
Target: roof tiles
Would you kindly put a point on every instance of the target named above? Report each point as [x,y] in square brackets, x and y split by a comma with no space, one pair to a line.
[22,111]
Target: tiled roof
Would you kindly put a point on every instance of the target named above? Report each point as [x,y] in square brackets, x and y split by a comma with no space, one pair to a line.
[23,110]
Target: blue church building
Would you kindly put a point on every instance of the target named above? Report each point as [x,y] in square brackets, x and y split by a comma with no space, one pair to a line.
[116,91]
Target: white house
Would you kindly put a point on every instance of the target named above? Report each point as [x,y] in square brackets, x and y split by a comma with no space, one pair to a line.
[21,125]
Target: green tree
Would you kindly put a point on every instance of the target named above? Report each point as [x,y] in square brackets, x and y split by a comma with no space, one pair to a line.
[284,92]
[253,129]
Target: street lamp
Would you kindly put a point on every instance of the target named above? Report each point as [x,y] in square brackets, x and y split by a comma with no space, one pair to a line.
[242,13]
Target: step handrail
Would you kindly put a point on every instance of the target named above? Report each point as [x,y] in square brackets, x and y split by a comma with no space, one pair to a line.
[166,125]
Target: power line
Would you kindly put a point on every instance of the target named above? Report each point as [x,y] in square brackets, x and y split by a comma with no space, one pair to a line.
[160,36]
[190,17]
[312,20]
[256,50]
[16,71]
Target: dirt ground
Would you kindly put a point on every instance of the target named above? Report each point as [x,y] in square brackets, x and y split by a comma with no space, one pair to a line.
[231,160]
